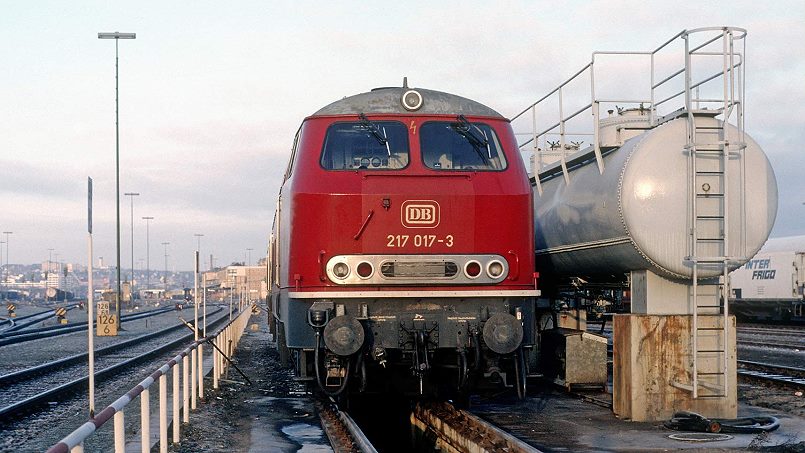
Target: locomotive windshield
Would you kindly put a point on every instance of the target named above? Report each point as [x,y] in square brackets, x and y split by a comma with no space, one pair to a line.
[461,146]
[366,145]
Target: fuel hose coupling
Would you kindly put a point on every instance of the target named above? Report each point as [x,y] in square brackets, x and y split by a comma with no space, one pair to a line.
[318,315]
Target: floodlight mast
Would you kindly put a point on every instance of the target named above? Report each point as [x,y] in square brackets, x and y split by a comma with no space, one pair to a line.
[117,36]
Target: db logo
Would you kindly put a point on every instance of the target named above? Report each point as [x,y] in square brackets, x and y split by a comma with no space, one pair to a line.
[420,214]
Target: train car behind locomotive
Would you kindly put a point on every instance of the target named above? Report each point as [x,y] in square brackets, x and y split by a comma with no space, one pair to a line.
[401,254]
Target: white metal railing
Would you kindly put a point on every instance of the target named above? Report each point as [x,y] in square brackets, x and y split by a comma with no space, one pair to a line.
[664,87]
[224,340]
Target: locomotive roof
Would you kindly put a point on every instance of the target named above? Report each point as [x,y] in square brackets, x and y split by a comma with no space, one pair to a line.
[389,100]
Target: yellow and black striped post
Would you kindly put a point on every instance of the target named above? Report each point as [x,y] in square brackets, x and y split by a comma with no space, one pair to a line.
[12,310]
[61,315]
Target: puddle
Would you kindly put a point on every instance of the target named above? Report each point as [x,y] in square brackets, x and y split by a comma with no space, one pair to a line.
[287,425]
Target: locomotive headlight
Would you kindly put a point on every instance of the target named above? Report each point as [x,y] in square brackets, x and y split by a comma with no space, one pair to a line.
[364,269]
[494,269]
[472,269]
[411,100]
[341,270]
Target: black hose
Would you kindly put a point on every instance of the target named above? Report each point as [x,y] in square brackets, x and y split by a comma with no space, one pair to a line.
[323,388]
[477,344]
[749,425]
[364,381]
[691,421]
[360,367]
[462,378]
[519,373]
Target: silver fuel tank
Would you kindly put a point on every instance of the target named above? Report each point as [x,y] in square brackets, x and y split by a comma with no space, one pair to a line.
[637,214]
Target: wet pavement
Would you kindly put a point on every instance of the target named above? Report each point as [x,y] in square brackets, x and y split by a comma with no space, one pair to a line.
[274,414]
[556,422]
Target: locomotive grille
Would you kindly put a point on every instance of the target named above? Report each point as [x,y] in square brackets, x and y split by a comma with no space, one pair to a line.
[422,269]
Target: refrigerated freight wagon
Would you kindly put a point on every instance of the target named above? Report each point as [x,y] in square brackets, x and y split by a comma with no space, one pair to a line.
[771,286]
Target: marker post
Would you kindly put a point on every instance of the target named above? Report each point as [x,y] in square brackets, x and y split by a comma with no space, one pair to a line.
[90,304]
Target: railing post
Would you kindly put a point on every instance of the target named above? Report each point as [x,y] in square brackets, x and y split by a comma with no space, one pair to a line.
[201,372]
[193,377]
[228,353]
[120,440]
[163,413]
[215,363]
[145,421]
[652,118]
[186,389]
[176,403]
[222,364]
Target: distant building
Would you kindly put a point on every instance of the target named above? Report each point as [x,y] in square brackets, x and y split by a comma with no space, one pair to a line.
[240,281]
[55,279]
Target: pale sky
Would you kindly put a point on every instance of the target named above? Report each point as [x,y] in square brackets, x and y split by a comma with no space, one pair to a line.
[211,94]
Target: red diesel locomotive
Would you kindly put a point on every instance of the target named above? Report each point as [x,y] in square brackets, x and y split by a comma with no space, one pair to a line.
[401,255]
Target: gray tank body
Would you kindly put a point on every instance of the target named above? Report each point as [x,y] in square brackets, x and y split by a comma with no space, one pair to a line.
[636,216]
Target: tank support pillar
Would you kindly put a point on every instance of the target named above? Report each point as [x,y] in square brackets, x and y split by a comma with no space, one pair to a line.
[654,356]
[657,347]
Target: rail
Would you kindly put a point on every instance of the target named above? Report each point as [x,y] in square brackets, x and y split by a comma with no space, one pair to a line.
[666,82]
[452,429]
[777,374]
[28,403]
[20,336]
[224,340]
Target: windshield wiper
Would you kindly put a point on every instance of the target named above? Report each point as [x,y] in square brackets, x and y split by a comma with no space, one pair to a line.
[474,135]
[373,129]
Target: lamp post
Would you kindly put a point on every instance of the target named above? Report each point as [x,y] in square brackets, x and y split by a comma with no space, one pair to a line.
[166,244]
[198,243]
[148,220]
[8,284]
[2,284]
[131,275]
[117,36]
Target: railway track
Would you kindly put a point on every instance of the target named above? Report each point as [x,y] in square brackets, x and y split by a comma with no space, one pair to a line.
[27,320]
[436,426]
[771,344]
[774,374]
[344,434]
[773,330]
[21,336]
[783,338]
[26,390]
[445,428]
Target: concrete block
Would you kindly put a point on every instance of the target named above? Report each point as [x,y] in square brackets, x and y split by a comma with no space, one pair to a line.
[572,319]
[653,361]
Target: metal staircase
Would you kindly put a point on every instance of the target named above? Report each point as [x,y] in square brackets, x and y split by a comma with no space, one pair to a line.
[710,147]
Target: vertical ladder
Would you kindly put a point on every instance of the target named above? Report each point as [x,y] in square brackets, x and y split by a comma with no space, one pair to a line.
[709,150]
[709,155]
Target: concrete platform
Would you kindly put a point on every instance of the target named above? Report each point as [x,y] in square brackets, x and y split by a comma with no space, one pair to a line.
[554,421]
